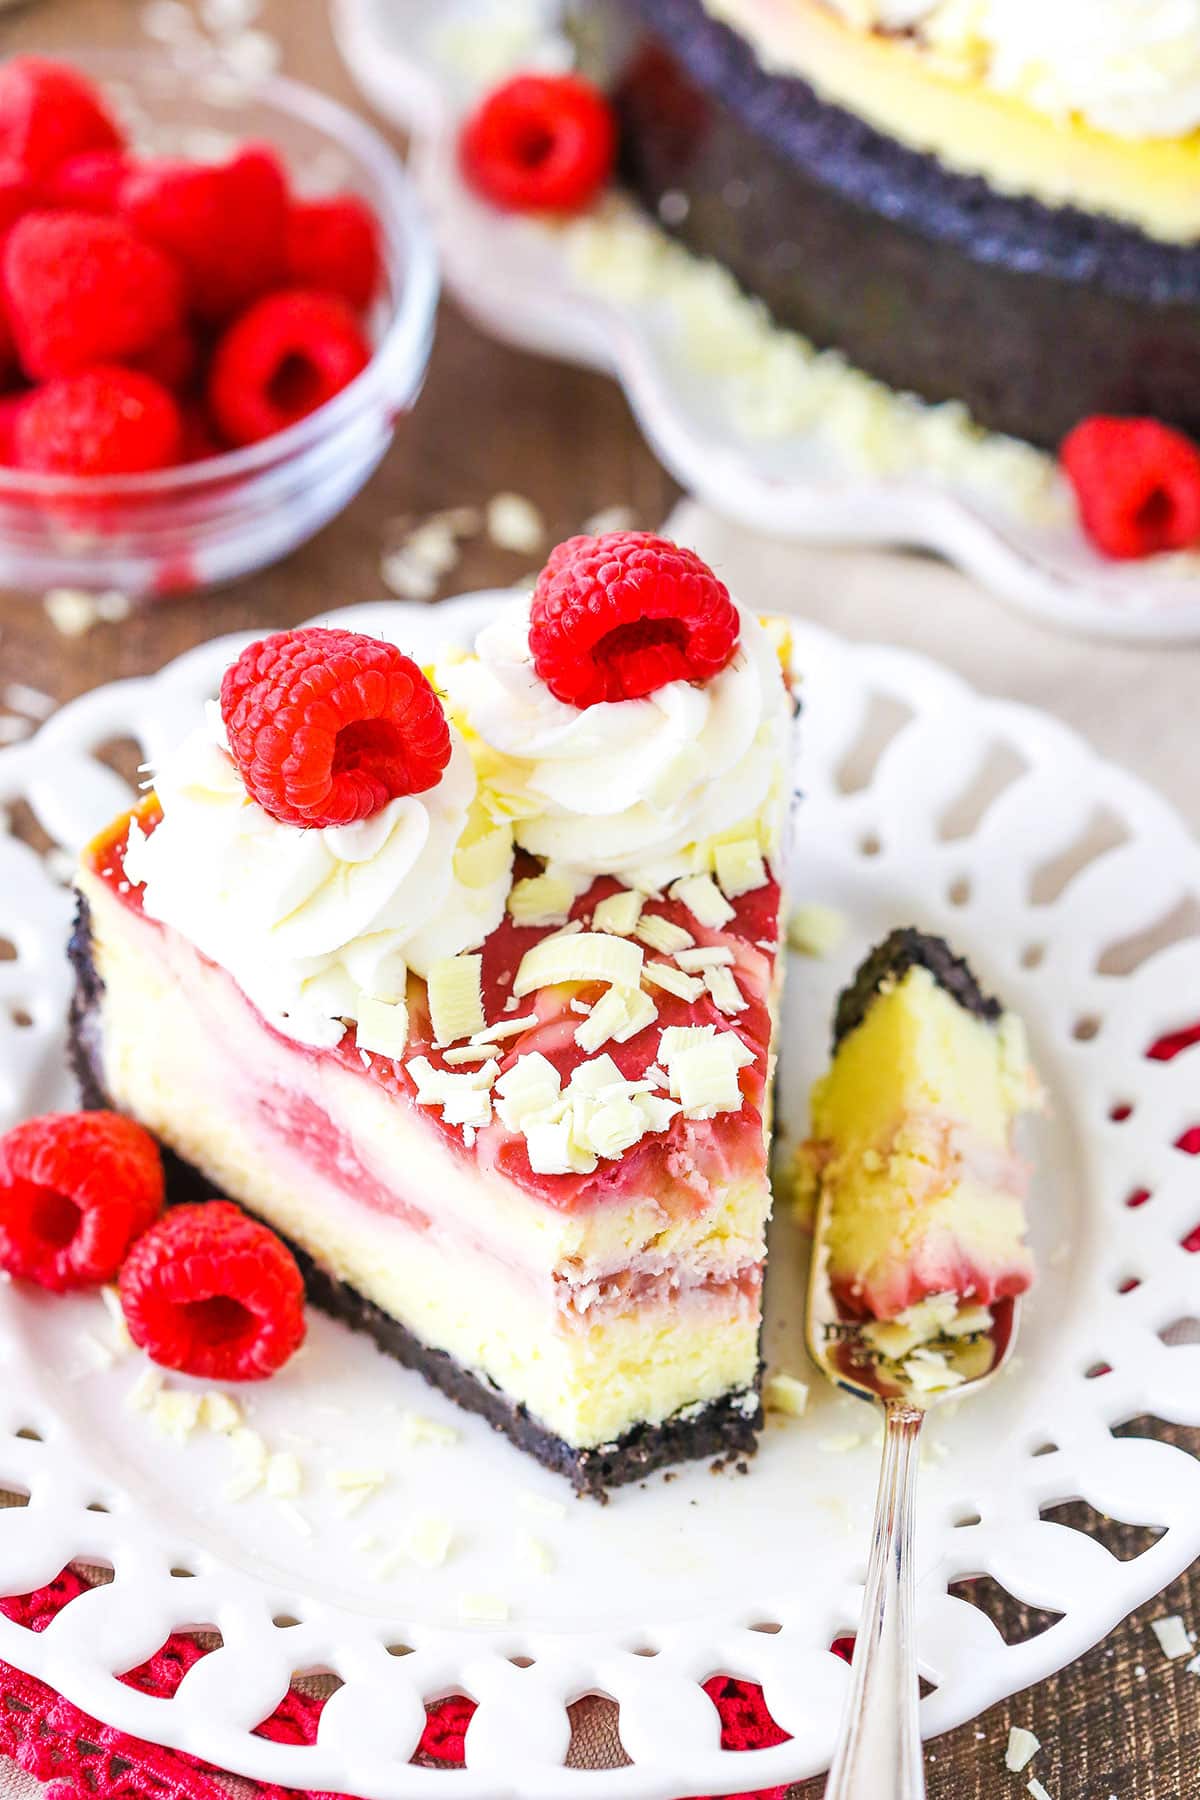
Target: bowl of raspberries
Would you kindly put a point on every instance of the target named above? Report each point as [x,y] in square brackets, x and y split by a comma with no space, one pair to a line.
[212,314]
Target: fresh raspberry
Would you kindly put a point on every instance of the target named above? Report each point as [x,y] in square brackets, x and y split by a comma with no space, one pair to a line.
[333,246]
[11,408]
[199,440]
[289,354]
[76,1189]
[90,182]
[327,726]
[107,421]
[18,194]
[540,143]
[172,360]
[223,223]
[49,112]
[1137,483]
[84,290]
[618,616]
[213,1293]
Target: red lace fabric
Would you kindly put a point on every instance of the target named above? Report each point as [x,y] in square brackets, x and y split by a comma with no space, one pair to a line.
[80,1759]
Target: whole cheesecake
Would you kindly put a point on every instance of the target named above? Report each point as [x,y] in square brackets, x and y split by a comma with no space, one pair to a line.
[495,1059]
[998,205]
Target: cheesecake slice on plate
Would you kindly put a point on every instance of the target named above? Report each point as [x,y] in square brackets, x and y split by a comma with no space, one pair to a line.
[469,991]
[911,1150]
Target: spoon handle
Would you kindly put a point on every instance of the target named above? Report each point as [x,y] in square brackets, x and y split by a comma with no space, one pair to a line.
[879,1754]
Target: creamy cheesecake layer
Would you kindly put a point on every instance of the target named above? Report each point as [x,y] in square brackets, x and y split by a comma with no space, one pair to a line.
[896,87]
[508,1286]
[911,1150]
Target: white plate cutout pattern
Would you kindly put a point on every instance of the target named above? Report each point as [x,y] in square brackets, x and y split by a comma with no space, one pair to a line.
[421,66]
[923,803]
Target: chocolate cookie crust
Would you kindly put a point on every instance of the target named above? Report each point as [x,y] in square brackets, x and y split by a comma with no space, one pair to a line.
[903,950]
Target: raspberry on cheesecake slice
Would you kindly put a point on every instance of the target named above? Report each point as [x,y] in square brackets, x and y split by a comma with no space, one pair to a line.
[911,1150]
[471,995]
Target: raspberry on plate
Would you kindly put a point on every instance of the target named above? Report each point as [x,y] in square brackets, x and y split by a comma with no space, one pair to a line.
[49,112]
[327,726]
[76,1189]
[285,357]
[83,289]
[106,421]
[540,143]
[618,616]
[223,223]
[211,1292]
[1137,483]
[333,246]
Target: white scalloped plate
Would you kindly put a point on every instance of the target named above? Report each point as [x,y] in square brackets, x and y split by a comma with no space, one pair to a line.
[672,1582]
[516,281]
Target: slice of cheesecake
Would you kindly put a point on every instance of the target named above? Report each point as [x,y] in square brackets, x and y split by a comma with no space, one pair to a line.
[911,1149]
[508,1102]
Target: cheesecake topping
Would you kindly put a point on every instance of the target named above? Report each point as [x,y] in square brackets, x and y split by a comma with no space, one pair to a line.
[644,789]
[1127,67]
[311,922]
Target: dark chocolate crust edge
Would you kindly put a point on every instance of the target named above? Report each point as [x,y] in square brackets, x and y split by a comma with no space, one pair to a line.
[902,950]
[931,280]
[720,1428]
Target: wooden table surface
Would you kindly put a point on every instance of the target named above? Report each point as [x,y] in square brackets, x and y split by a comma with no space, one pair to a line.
[1123,1721]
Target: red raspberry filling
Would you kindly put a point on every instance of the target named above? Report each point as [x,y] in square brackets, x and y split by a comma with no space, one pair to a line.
[619,616]
[213,1293]
[76,1189]
[327,726]
[1137,484]
[540,143]
[287,355]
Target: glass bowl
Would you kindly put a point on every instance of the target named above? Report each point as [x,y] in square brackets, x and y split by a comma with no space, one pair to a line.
[211,521]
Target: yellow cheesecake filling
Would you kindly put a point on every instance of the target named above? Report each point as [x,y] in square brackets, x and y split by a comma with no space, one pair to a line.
[911,1148]
[952,113]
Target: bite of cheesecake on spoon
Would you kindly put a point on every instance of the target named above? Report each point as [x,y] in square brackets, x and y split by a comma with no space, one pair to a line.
[919,1261]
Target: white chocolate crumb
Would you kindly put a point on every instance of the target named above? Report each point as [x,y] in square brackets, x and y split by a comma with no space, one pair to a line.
[13,729]
[428,1540]
[536,1555]
[71,611]
[285,1478]
[816,930]
[784,1393]
[296,1519]
[121,1341]
[145,1390]
[1172,1634]
[1021,1749]
[514,523]
[19,697]
[112,606]
[176,1412]
[543,1505]
[415,1429]
[1036,1790]
[239,1486]
[249,1450]
[483,1609]
[617,517]
[220,1413]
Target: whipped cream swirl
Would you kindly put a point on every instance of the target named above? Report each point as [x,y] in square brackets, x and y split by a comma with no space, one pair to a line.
[1129,67]
[632,788]
[310,921]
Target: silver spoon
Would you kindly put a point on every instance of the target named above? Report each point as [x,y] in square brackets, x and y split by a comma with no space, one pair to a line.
[879,1754]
